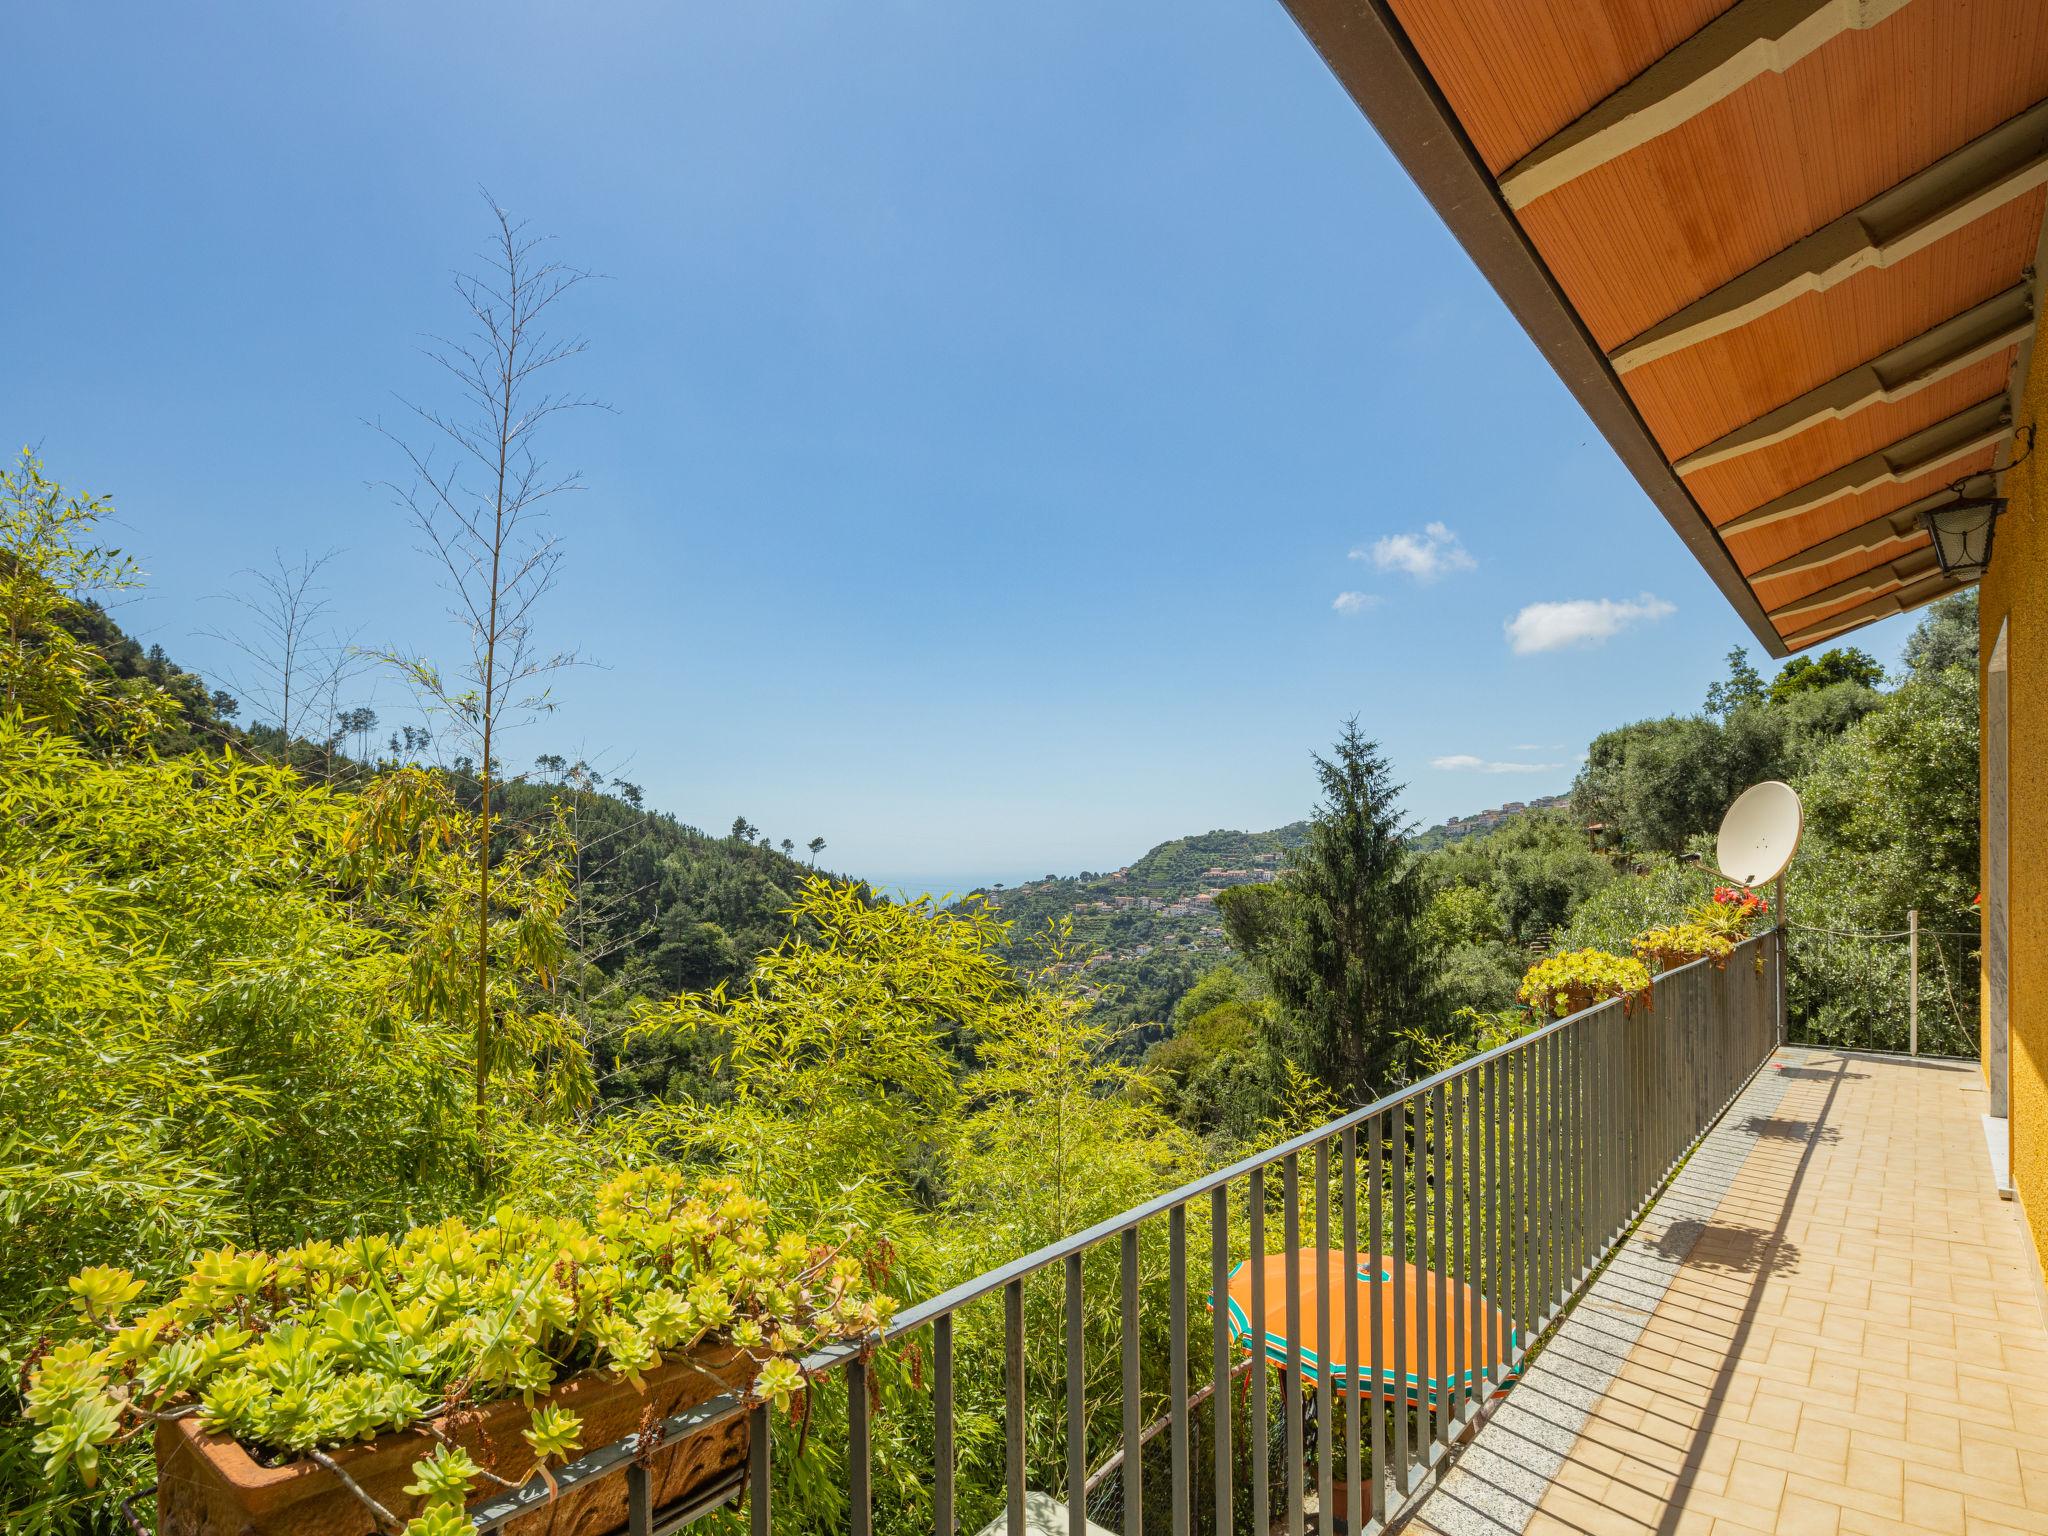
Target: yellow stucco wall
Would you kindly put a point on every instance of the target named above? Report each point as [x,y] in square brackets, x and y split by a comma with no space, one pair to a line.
[2015,593]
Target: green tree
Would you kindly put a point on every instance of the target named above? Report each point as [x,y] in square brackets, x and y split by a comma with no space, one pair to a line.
[1946,637]
[481,510]
[1805,674]
[1891,824]
[1461,914]
[49,564]
[235,1015]
[1336,937]
[1743,686]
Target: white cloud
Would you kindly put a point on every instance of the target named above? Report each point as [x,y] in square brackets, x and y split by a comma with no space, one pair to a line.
[1426,555]
[1464,762]
[1581,621]
[1355,602]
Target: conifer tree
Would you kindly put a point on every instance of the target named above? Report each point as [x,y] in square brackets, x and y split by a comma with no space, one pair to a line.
[1336,936]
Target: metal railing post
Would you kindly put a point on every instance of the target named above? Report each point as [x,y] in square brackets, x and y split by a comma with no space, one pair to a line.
[1913,981]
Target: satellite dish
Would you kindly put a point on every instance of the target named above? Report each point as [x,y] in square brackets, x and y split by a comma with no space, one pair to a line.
[1760,834]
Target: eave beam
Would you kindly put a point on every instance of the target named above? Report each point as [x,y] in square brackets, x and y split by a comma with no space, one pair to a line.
[1957,190]
[1959,342]
[1905,600]
[1893,527]
[1754,38]
[1984,425]
[1887,577]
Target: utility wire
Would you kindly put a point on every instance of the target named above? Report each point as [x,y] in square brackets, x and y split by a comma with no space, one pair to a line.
[1925,933]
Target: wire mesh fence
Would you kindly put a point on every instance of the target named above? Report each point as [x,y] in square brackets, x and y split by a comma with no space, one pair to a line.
[1903,989]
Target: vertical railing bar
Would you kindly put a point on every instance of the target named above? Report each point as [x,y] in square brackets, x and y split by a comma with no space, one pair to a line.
[1353,1403]
[1376,1132]
[1476,1329]
[1326,1421]
[1598,1081]
[1440,1306]
[1553,1171]
[1560,1173]
[1425,1340]
[942,1436]
[1638,1117]
[1603,1086]
[1397,1194]
[1567,1242]
[1553,1177]
[1508,1112]
[1475,1241]
[1546,1164]
[1482,1262]
[859,1449]
[1013,1402]
[760,1473]
[1177,1365]
[1220,1395]
[1461,1310]
[1290,1226]
[1532,1194]
[1261,1449]
[1496,1293]
[639,1501]
[1134,1413]
[1617,1133]
[1077,1403]
[1589,1145]
[1574,1040]
[1575,1162]
[1524,1156]
[1589,1091]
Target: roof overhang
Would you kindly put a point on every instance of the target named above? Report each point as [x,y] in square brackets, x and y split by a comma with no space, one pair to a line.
[1783,252]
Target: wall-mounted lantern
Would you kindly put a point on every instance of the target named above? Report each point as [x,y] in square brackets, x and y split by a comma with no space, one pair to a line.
[1962,528]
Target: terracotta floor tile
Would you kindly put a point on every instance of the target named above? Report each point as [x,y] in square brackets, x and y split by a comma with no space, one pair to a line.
[1850,1345]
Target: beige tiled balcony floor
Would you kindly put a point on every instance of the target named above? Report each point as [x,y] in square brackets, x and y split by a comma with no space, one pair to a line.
[1850,1340]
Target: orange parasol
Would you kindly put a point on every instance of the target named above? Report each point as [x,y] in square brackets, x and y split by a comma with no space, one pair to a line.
[1323,1272]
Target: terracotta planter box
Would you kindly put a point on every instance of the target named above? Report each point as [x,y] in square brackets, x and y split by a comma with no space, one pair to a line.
[208,1485]
[1672,959]
[1579,997]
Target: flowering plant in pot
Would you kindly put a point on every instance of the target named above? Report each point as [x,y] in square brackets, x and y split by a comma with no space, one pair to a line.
[1732,912]
[333,1385]
[1676,944]
[1579,978]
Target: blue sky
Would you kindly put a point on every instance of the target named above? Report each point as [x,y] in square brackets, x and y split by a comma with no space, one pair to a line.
[1006,399]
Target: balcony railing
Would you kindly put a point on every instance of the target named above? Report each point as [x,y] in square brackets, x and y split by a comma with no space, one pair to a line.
[1469,1210]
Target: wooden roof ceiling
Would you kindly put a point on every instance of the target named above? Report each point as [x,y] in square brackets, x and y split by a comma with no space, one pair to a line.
[1782,250]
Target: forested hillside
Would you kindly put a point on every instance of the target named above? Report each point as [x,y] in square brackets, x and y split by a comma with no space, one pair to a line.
[1143,934]
[654,906]
[272,993]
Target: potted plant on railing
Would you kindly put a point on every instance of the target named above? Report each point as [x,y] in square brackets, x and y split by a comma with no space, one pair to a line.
[1732,912]
[333,1386]
[1579,978]
[1675,944]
